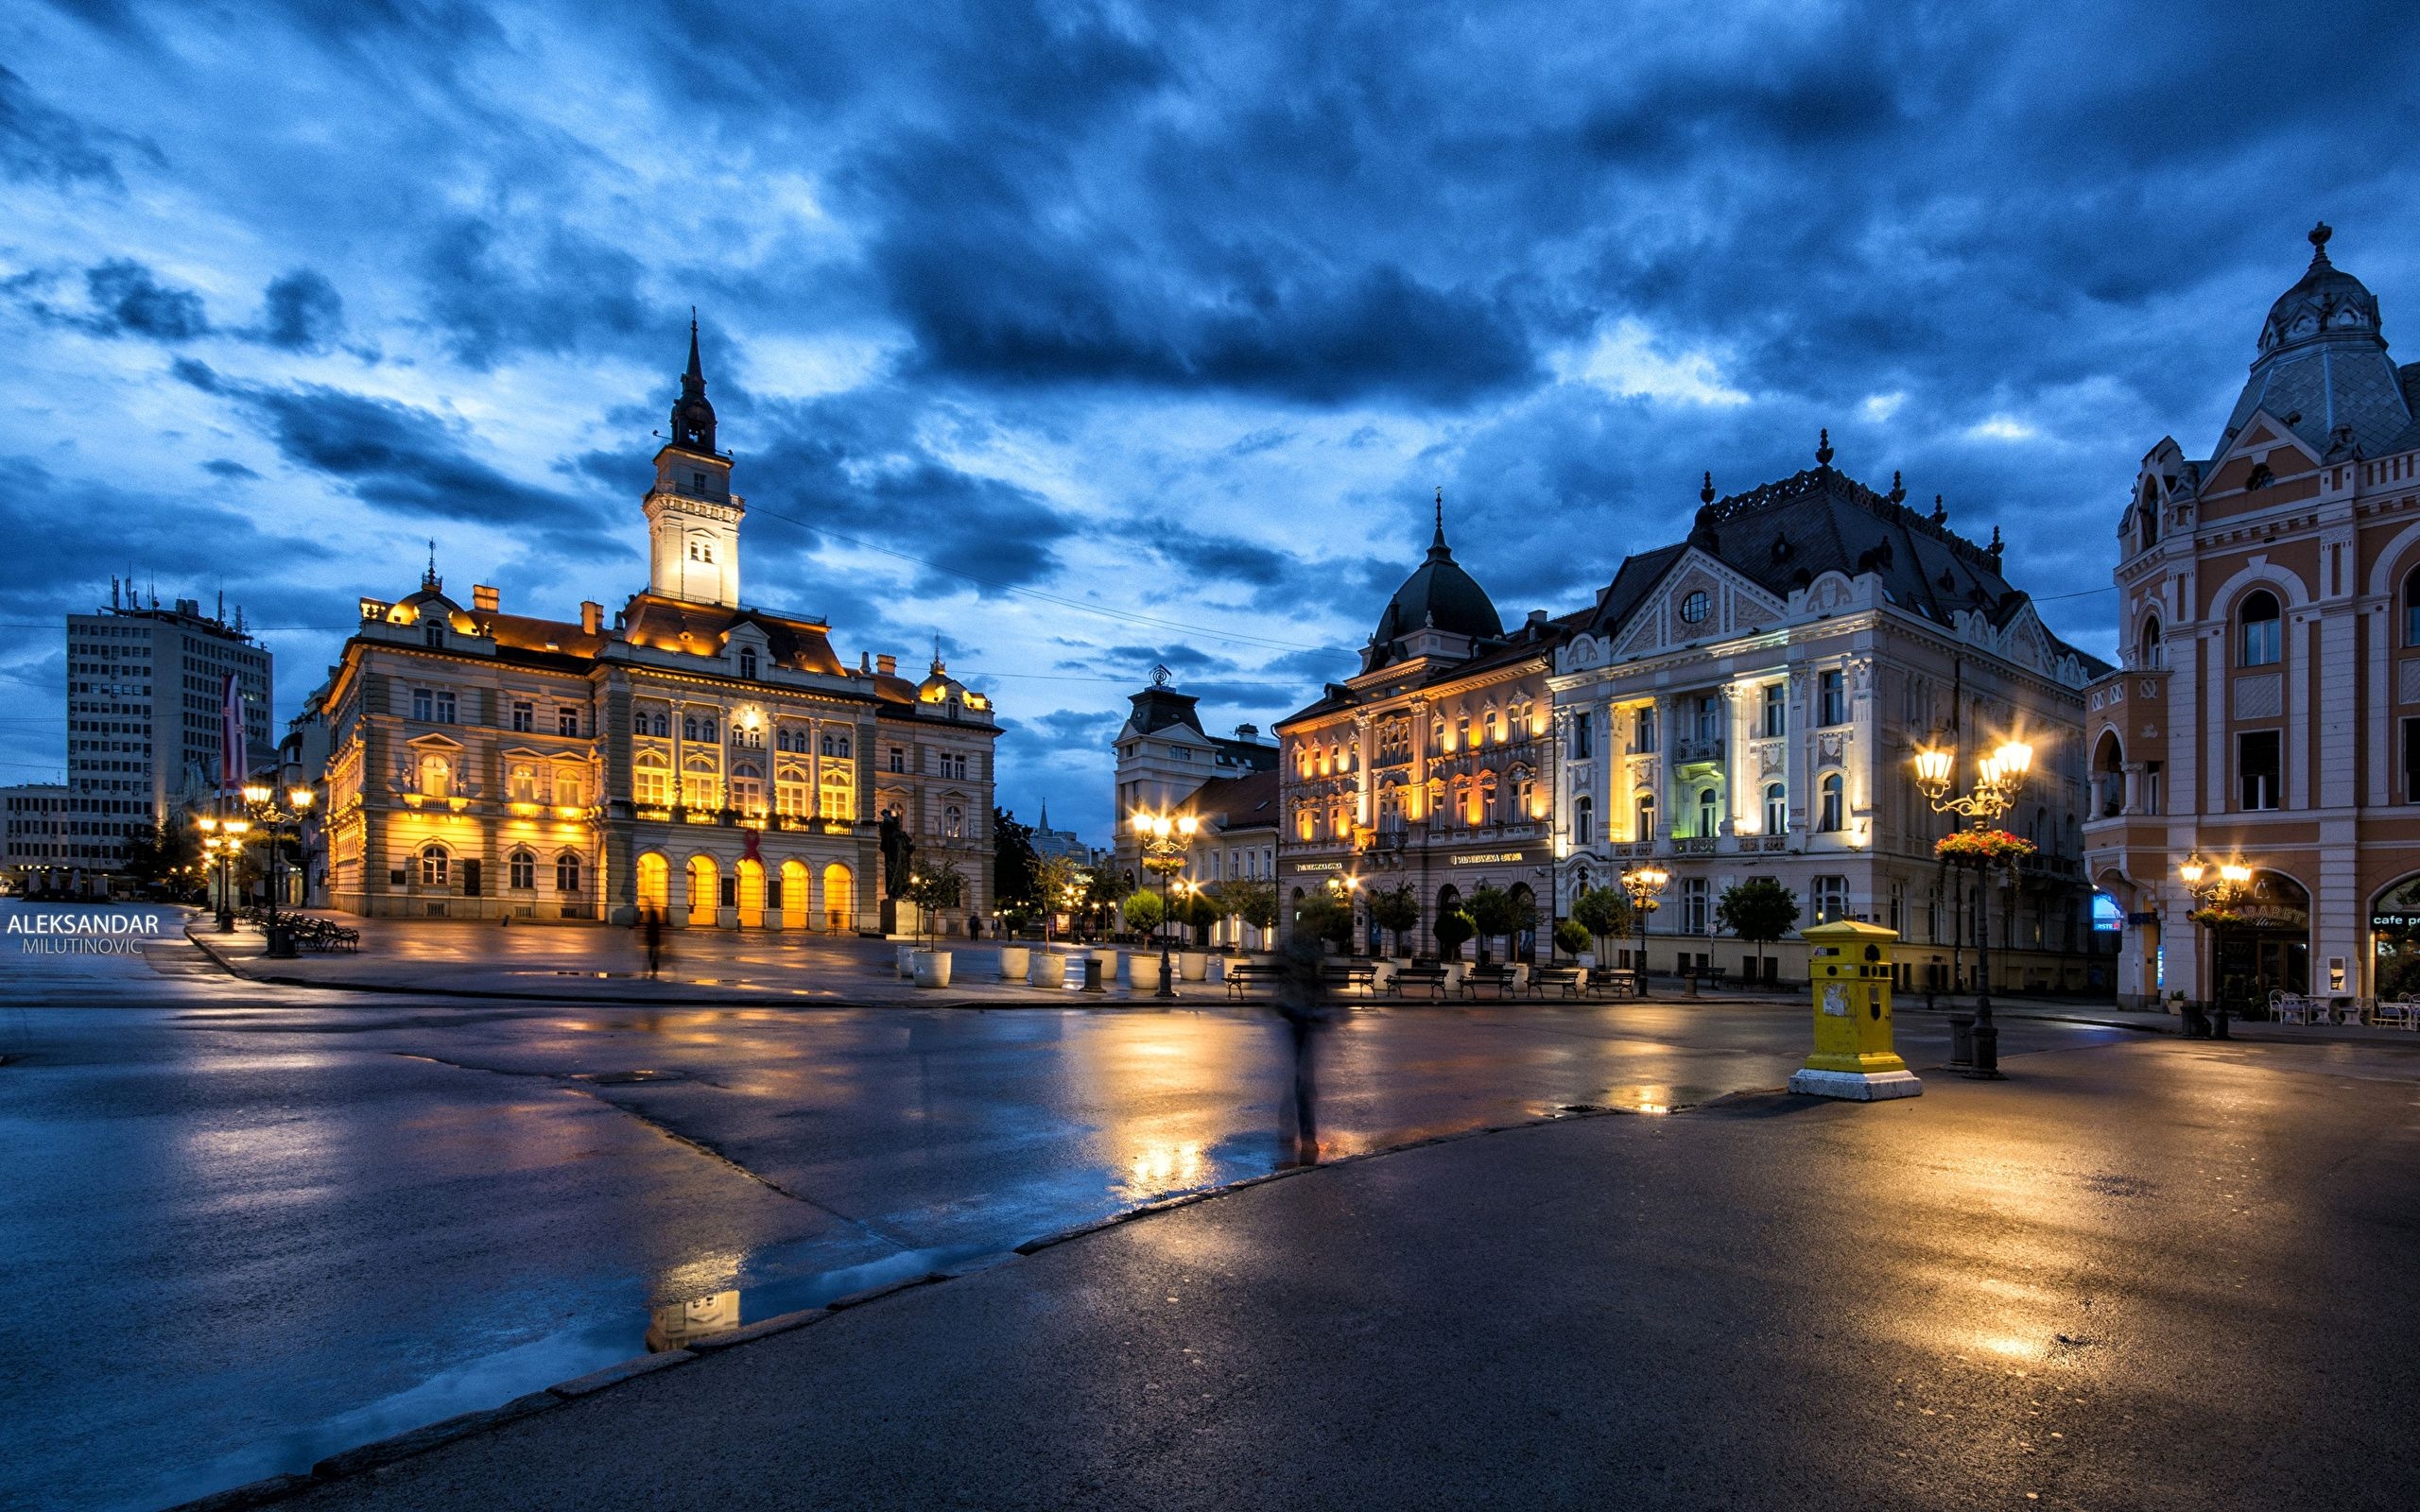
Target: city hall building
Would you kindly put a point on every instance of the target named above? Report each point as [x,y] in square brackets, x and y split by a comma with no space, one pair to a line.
[699,757]
[2267,710]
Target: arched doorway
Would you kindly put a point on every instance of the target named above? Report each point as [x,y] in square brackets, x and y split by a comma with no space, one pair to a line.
[752,894]
[2262,944]
[794,899]
[704,888]
[1525,941]
[2394,941]
[840,900]
[1448,899]
[655,883]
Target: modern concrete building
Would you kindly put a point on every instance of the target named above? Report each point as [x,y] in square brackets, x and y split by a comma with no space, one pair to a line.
[2267,712]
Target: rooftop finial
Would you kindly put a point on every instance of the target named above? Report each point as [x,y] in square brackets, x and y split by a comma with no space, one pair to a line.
[1898,490]
[2319,235]
[1437,543]
[938,668]
[429,579]
[1994,547]
[693,418]
[1940,510]
[1705,490]
[696,368]
[1824,447]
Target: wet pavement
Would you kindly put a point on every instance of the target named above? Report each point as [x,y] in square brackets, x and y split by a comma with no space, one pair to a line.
[250,1226]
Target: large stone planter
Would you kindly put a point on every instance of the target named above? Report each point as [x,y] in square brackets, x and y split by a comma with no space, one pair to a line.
[1382,976]
[1048,970]
[1108,959]
[1014,962]
[1193,966]
[932,968]
[1145,972]
[1454,978]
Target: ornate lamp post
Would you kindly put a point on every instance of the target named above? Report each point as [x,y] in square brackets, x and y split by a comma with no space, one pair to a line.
[1643,884]
[1998,778]
[2212,887]
[1164,840]
[261,799]
[221,840]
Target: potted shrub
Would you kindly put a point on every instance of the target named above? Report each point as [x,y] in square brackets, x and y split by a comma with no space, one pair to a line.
[1397,910]
[933,891]
[1453,930]
[1495,914]
[1255,903]
[1571,938]
[1602,912]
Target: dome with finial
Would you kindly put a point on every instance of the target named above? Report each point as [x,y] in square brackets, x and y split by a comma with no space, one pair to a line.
[2323,369]
[1438,594]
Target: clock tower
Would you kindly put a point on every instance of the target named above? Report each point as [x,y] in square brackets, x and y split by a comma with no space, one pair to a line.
[692,516]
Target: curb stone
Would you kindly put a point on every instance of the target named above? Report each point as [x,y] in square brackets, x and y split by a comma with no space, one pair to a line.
[613,1375]
[417,1440]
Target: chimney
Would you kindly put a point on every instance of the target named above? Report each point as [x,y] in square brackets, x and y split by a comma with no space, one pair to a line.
[591,618]
[887,665]
[483,598]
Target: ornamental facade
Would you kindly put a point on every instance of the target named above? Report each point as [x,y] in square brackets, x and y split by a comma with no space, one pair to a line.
[1746,702]
[712,762]
[1433,765]
[2267,712]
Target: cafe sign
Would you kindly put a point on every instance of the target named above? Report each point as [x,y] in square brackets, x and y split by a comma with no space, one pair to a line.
[1494,858]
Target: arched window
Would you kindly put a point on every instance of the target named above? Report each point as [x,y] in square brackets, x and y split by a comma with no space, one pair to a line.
[570,791]
[2411,609]
[1524,795]
[436,776]
[2147,519]
[688,727]
[705,730]
[663,723]
[698,785]
[1495,730]
[650,782]
[638,722]
[521,871]
[1709,812]
[1777,809]
[1829,791]
[953,822]
[748,790]
[434,868]
[1488,793]
[837,795]
[2259,640]
[522,785]
[568,871]
[1645,829]
[2152,651]
[1583,820]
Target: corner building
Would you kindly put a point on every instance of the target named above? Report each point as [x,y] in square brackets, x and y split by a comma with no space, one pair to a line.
[1434,763]
[1746,702]
[2267,709]
[699,756]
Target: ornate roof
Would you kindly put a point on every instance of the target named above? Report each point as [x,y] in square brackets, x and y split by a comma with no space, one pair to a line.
[2323,368]
[1438,593]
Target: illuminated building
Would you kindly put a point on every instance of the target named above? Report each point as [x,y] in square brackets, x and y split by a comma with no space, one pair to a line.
[699,757]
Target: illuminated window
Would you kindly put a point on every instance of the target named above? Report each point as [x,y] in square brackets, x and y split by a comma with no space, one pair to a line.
[570,790]
[1777,809]
[650,782]
[1829,794]
[1830,899]
[522,784]
[434,866]
[436,776]
[1709,812]
[748,790]
[1646,817]
[1583,820]
[839,795]
[521,871]
[568,872]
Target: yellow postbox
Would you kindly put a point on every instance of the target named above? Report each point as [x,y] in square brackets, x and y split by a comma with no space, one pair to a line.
[1850,966]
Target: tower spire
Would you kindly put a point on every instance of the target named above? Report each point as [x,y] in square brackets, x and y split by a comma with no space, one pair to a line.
[693,418]
[1437,546]
[429,579]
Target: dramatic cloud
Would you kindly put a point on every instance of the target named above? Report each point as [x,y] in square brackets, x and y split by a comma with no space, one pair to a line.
[1098,337]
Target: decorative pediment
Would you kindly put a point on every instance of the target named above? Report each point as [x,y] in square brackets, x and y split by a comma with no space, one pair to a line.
[1696,599]
[435,742]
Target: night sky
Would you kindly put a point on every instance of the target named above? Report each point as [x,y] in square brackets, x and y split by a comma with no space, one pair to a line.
[1178,313]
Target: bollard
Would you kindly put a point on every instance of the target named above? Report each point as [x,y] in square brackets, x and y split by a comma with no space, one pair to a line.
[1987,1049]
[1092,974]
[2219,1024]
[1961,1039]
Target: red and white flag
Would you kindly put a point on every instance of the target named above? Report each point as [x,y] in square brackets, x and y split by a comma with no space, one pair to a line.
[233,767]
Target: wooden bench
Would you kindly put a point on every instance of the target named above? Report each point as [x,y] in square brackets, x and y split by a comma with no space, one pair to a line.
[1244,975]
[1615,981]
[1566,980]
[1348,975]
[1428,979]
[1499,977]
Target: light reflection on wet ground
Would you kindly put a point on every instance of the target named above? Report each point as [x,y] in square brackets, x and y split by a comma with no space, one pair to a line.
[285,1222]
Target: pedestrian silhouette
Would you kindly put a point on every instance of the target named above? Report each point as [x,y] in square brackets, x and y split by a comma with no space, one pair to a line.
[1302,1003]
[654,926]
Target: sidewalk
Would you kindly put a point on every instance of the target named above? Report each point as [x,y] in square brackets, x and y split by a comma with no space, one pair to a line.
[2066,1290]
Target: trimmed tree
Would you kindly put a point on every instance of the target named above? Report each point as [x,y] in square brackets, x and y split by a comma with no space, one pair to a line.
[1453,930]
[1254,903]
[1323,917]
[1492,913]
[1397,910]
[1570,937]
[933,891]
[1602,911]
[1057,883]
[1203,912]
[1144,912]
[1759,910]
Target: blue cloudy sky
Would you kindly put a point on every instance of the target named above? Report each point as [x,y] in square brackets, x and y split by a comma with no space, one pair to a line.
[1095,335]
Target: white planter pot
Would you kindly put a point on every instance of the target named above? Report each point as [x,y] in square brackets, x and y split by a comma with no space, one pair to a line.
[1047,971]
[1013,959]
[1382,976]
[1588,960]
[1453,978]
[908,960]
[1193,966]
[1108,965]
[932,968]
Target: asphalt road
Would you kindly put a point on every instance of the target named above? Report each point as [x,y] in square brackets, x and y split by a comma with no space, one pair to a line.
[248,1226]
[2150,1275]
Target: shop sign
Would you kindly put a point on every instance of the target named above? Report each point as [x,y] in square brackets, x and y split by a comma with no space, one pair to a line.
[1314,865]
[1494,858]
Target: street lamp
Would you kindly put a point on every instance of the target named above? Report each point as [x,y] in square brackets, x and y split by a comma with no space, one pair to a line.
[261,799]
[1998,778]
[2212,887]
[1341,889]
[1643,884]
[1165,841]
[223,838]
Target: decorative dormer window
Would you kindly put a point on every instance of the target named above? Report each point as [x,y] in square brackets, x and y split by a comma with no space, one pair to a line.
[748,662]
[2260,477]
